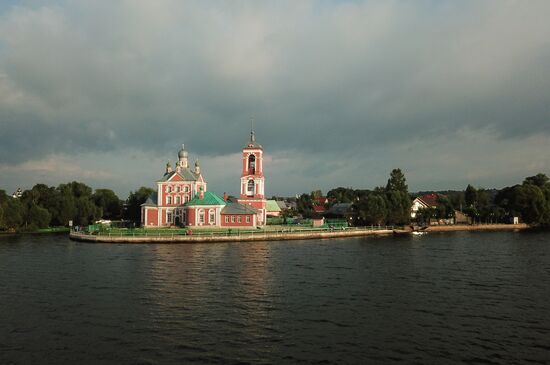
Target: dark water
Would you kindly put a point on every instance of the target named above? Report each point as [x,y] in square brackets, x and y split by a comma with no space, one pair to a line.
[478,298]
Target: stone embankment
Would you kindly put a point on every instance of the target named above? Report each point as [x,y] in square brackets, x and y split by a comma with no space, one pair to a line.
[260,236]
[280,236]
[477,227]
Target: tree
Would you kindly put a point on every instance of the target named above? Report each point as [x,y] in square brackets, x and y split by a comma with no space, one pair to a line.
[372,209]
[341,195]
[397,181]
[399,207]
[398,201]
[13,213]
[133,203]
[38,216]
[108,202]
[532,204]
[423,215]
[470,196]
[304,205]
[539,180]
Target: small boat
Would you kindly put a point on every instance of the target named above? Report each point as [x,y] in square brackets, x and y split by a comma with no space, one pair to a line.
[417,233]
[401,232]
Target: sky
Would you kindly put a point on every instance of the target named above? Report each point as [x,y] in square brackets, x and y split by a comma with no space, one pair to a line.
[341,92]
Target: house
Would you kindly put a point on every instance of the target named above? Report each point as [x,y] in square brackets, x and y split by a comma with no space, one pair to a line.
[273,209]
[342,211]
[423,202]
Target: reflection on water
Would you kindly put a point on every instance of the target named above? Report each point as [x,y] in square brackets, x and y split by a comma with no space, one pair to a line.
[438,298]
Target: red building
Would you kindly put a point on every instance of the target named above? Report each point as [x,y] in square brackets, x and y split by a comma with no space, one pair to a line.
[183,200]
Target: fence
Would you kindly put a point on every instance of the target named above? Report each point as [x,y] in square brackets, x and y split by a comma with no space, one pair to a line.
[170,232]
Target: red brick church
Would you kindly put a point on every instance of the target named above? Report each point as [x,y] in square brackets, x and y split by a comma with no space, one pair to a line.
[182,198]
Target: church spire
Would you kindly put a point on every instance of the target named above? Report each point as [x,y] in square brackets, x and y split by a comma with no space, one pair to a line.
[252,133]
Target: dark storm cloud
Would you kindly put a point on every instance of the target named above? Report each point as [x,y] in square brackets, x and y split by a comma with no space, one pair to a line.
[330,78]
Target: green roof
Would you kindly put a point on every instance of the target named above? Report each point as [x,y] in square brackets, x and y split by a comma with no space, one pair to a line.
[208,199]
[272,206]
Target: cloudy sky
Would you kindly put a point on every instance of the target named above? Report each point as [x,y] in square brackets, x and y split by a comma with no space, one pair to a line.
[105,92]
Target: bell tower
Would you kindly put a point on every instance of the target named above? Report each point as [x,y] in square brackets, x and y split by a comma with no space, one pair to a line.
[252,178]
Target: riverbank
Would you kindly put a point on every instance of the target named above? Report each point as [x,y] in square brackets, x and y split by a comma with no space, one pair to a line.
[239,237]
[37,231]
[267,235]
[477,227]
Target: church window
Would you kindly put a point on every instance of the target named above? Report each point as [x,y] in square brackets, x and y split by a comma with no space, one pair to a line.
[250,188]
[168,200]
[212,216]
[201,216]
[168,217]
[252,164]
[169,189]
[186,189]
[247,219]
[177,200]
[177,189]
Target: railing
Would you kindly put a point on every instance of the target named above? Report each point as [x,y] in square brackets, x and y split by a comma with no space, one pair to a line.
[141,232]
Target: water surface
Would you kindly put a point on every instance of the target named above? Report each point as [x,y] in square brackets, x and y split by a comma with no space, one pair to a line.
[439,298]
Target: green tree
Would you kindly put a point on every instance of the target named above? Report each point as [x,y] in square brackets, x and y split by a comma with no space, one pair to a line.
[108,202]
[397,181]
[398,201]
[399,207]
[304,205]
[532,204]
[540,180]
[470,196]
[38,216]
[133,204]
[372,209]
[13,214]
[341,195]
[423,215]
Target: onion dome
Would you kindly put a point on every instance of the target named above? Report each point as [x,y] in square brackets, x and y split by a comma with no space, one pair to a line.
[182,153]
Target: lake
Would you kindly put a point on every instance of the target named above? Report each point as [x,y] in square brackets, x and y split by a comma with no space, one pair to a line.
[464,297]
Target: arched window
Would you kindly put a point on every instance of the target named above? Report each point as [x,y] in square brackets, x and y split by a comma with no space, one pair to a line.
[211,216]
[252,164]
[201,216]
[168,200]
[250,187]
[177,200]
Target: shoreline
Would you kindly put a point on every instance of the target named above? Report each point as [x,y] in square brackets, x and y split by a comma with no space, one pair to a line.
[245,237]
[478,227]
[281,236]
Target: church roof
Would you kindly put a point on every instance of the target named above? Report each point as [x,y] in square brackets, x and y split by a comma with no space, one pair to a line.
[272,206]
[236,208]
[185,174]
[252,143]
[209,198]
[151,200]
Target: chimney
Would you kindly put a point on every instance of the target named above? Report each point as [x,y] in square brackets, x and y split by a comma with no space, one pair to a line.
[224,196]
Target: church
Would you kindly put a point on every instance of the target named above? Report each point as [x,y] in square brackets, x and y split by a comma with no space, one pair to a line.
[182,198]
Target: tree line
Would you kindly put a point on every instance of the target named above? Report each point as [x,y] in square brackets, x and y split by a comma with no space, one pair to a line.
[391,205]
[45,206]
